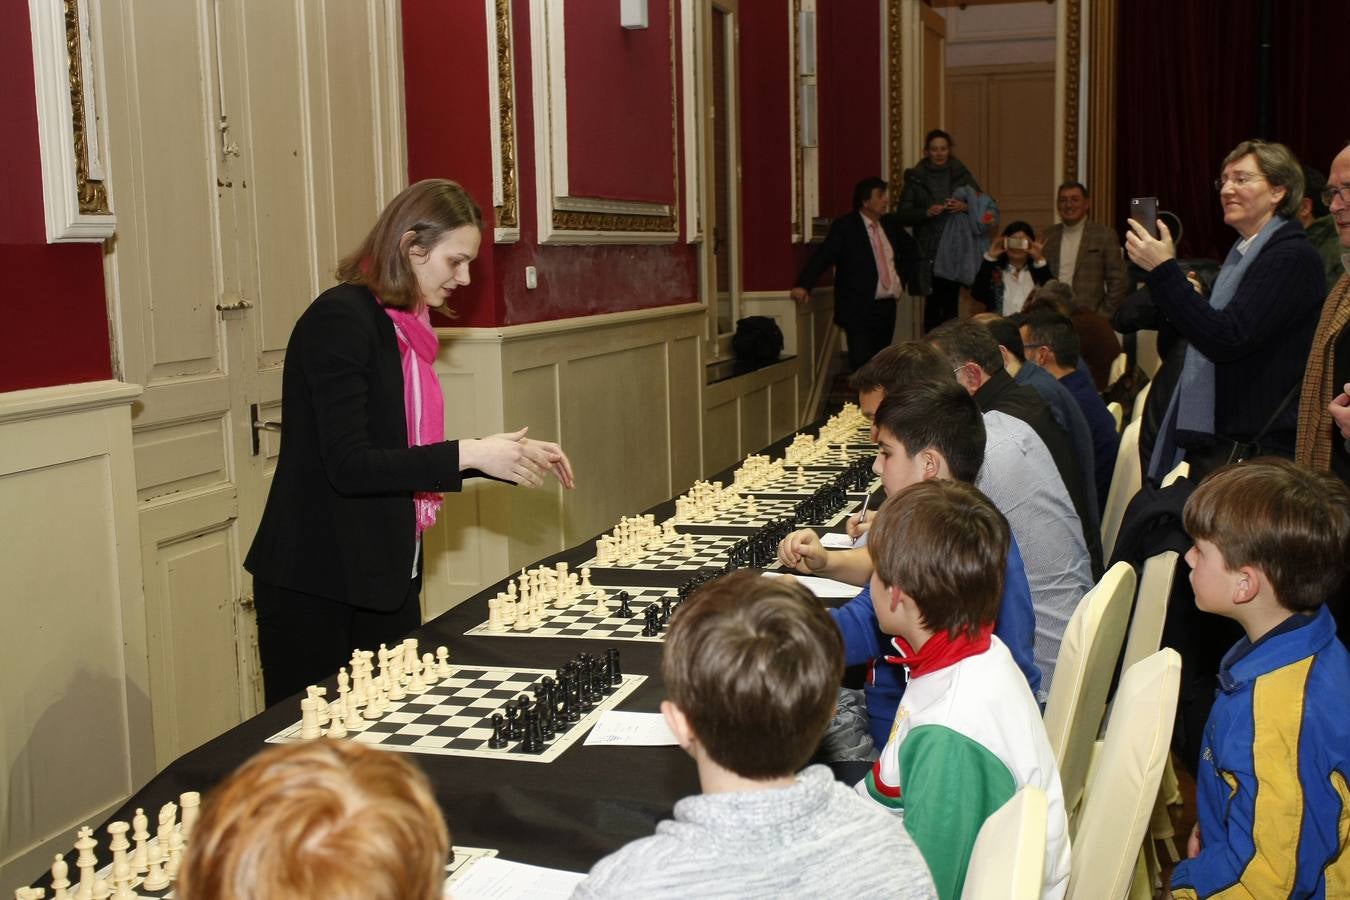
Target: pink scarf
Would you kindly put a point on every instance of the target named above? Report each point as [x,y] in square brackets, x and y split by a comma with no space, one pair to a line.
[422,402]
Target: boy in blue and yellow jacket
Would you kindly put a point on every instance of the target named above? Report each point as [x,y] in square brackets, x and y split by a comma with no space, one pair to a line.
[1272,540]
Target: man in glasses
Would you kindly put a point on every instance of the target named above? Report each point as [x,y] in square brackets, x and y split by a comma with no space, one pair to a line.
[1324,407]
[1320,225]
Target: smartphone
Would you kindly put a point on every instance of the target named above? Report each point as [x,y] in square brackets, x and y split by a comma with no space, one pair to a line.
[1144,210]
[1017,243]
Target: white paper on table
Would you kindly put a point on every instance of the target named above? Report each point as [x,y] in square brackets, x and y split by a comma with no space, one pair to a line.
[631,729]
[836,540]
[492,878]
[822,587]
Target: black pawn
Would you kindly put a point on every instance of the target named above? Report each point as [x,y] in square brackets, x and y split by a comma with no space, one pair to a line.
[625,607]
[514,730]
[665,609]
[534,741]
[498,739]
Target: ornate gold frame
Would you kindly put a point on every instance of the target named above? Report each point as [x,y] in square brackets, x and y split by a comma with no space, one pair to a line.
[895,100]
[93,195]
[508,213]
[1073,63]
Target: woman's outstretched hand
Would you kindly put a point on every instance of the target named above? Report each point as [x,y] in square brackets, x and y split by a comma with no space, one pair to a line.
[511,456]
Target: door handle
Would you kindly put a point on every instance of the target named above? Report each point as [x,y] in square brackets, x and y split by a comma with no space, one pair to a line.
[259,425]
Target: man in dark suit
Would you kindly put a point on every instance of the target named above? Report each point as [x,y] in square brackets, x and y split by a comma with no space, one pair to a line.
[1093,264]
[873,257]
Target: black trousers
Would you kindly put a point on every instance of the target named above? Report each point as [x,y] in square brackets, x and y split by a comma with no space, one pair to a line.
[943,304]
[304,639]
[869,329]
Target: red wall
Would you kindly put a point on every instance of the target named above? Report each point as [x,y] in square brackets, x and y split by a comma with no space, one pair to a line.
[619,85]
[55,323]
[620,143]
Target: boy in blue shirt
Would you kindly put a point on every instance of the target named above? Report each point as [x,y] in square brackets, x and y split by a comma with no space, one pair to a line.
[1272,540]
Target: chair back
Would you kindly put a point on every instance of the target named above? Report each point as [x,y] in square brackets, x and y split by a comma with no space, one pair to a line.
[1119,800]
[1150,608]
[1183,470]
[1146,352]
[1137,411]
[1117,413]
[1008,859]
[1125,481]
[1119,365]
[1087,660]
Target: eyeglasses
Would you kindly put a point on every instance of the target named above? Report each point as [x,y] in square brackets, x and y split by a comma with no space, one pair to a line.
[1237,179]
[1330,192]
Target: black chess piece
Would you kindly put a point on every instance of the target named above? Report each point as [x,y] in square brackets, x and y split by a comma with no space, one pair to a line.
[665,609]
[514,730]
[498,739]
[649,626]
[612,664]
[534,741]
[625,605]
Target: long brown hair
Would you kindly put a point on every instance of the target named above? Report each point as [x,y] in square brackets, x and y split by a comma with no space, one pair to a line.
[428,209]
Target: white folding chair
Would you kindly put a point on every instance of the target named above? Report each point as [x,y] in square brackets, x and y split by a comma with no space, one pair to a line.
[1087,660]
[1117,370]
[1008,859]
[1150,607]
[1138,409]
[1117,413]
[1125,481]
[1182,470]
[1119,799]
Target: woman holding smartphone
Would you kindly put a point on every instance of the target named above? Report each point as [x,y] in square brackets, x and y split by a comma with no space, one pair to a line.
[1237,394]
[1013,267]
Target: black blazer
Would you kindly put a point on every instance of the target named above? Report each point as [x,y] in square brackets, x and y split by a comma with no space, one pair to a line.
[848,248]
[339,519]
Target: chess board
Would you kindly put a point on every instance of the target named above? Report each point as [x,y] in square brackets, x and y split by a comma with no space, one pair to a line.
[461,860]
[454,716]
[769,509]
[710,552]
[578,621]
[813,478]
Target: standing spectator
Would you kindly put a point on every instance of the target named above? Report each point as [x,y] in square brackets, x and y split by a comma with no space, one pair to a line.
[1013,268]
[1315,217]
[1248,345]
[1085,254]
[926,205]
[869,251]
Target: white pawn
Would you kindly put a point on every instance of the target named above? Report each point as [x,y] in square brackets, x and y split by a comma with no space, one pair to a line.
[586,586]
[372,710]
[155,879]
[122,874]
[443,669]
[175,855]
[60,879]
[351,717]
[415,684]
[140,860]
[429,670]
[601,608]
[338,728]
[689,545]
[101,890]
[190,803]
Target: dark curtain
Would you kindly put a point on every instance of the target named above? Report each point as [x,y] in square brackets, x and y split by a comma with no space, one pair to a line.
[1188,93]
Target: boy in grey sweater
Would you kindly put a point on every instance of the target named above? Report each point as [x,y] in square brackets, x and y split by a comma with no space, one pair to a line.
[752,666]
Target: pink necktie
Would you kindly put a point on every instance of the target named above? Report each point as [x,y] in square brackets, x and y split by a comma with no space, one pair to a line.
[883,270]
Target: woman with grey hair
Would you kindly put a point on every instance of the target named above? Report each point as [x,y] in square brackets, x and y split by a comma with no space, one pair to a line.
[1249,341]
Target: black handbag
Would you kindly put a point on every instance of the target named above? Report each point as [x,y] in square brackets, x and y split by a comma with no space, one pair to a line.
[758,340]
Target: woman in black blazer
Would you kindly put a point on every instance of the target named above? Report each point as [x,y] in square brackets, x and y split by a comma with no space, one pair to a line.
[337,560]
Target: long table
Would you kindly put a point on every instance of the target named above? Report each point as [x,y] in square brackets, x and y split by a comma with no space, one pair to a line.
[567,813]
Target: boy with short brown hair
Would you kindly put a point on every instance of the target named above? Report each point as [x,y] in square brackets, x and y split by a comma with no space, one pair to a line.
[968,733]
[752,666]
[1272,540]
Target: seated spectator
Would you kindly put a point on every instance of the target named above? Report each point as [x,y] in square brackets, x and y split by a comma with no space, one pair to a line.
[969,734]
[1096,336]
[319,820]
[952,435]
[1052,344]
[975,358]
[1013,266]
[1056,396]
[751,667]
[1272,541]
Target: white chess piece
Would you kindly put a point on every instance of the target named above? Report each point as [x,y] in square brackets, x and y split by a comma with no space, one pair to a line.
[118,844]
[85,862]
[175,855]
[155,879]
[60,878]
[190,803]
[338,728]
[443,669]
[122,874]
[102,890]
[309,718]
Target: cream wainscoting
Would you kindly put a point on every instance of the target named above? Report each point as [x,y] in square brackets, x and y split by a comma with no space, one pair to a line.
[75,722]
[620,391]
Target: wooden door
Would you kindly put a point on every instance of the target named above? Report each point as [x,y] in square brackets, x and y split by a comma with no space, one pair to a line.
[251,141]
